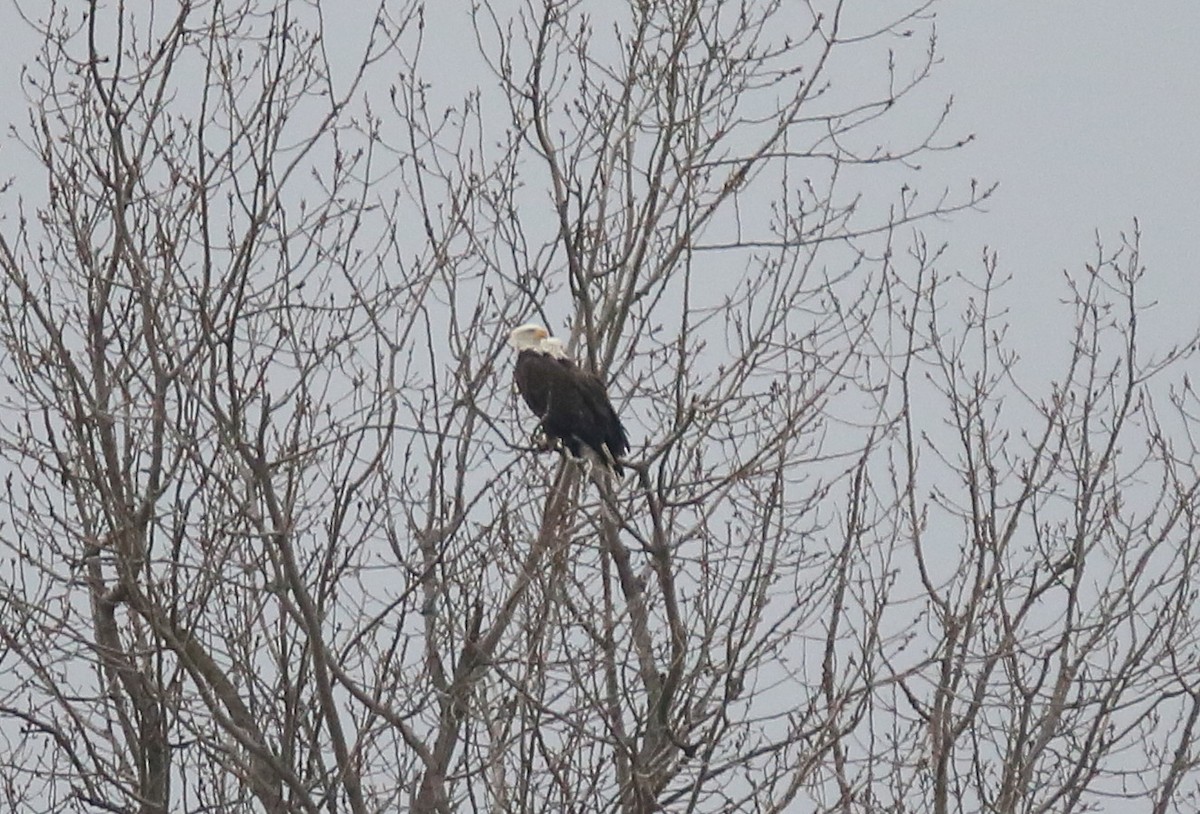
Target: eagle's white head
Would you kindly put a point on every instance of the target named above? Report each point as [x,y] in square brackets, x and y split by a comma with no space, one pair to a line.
[528,337]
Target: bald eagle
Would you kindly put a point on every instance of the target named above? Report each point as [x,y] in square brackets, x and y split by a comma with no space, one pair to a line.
[571,402]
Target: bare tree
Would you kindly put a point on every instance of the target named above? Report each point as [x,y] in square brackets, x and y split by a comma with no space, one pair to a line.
[277,539]
[1061,623]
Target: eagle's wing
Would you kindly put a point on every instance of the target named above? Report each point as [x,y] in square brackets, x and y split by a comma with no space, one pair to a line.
[609,424]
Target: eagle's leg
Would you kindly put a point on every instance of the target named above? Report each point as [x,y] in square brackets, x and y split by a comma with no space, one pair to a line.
[576,454]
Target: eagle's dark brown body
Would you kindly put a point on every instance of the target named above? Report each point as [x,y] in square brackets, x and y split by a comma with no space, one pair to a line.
[572,405]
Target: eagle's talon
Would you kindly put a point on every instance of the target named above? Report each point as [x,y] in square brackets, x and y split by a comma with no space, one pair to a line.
[541,441]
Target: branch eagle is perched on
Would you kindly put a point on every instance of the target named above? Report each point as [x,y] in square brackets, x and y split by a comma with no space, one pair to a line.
[572,403]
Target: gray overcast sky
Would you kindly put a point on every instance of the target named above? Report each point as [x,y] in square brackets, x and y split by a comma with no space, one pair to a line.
[1088,114]
[1086,111]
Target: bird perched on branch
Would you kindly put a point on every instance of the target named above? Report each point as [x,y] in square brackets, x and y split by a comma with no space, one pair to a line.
[572,403]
